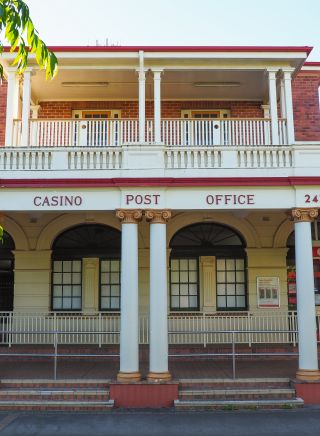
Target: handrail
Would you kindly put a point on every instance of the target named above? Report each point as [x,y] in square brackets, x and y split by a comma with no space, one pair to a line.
[233,353]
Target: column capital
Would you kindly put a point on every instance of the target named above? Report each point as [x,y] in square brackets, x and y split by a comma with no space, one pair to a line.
[300,215]
[129,216]
[155,216]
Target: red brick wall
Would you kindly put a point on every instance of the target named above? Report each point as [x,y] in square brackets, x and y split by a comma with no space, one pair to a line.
[3,105]
[306,110]
[170,109]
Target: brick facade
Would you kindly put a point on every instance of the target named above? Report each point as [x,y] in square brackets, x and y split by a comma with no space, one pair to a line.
[305,94]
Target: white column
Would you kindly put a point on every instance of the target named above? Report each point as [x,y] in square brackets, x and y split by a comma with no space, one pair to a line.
[26,107]
[142,102]
[12,104]
[282,100]
[273,106]
[288,103]
[308,357]
[158,336]
[157,105]
[129,330]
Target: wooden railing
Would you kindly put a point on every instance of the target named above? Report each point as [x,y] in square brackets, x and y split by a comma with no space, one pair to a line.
[190,328]
[174,132]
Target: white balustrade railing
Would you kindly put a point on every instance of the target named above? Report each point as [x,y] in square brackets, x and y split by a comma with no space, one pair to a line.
[11,160]
[174,132]
[264,157]
[95,159]
[192,157]
[192,328]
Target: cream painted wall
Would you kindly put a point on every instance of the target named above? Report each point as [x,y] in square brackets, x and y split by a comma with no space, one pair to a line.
[33,267]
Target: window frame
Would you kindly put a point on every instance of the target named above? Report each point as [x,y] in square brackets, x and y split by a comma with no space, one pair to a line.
[100,284]
[245,283]
[52,285]
[183,309]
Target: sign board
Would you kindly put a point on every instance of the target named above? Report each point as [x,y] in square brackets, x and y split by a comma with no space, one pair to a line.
[268,289]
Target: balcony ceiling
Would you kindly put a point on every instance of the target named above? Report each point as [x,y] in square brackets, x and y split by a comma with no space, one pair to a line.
[175,84]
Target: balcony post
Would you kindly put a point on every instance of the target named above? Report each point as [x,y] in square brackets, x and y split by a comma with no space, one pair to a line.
[306,312]
[273,106]
[129,326]
[157,105]
[288,104]
[12,104]
[158,366]
[26,107]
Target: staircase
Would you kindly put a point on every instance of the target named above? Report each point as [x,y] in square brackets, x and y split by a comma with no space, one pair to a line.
[67,395]
[227,394]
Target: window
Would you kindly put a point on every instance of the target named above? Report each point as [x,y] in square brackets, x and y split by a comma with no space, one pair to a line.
[110,284]
[184,284]
[231,293]
[66,284]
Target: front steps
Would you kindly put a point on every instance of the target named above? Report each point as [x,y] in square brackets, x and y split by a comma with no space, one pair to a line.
[75,395]
[227,394]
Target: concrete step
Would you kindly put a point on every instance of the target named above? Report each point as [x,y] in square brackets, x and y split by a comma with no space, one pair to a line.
[237,404]
[237,394]
[54,384]
[56,405]
[227,383]
[66,394]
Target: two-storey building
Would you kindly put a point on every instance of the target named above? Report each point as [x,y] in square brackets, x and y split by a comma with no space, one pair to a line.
[174,189]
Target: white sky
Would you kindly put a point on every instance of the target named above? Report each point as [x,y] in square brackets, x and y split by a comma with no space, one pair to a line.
[179,22]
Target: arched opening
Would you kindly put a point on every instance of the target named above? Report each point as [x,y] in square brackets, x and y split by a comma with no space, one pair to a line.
[226,251]
[70,250]
[6,273]
[291,265]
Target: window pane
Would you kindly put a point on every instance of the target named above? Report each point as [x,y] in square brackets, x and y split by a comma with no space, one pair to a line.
[105,278]
[105,303]
[66,303]
[174,277]
[184,264]
[57,303]
[115,303]
[66,278]
[76,291]
[76,303]
[221,289]
[231,289]
[175,289]
[241,302]
[193,264]
[115,265]
[76,266]
[230,264]
[57,266]
[193,289]
[221,302]
[193,302]
[76,278]
[67,265]
[57,278]
[184,302]
[240,276]
[114,278]
[193,276]
[115,290]
[231,301]
[174,264]
[231,276]
[183,289]
[175,302]
[57,291]
[220,264]
[67,291]
[105,290]
[239,264]
[104,266]
[240,289]
[221,277]
[184,277]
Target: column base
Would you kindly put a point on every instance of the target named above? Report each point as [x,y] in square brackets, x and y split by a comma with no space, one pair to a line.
[158,377]
[308,374]
[128,377]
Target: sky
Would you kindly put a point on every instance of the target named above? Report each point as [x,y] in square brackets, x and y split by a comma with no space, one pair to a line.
[179,22]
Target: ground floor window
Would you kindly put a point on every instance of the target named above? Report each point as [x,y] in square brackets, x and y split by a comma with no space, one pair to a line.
[231,284]
[184,284]
[110,284]
[67,285]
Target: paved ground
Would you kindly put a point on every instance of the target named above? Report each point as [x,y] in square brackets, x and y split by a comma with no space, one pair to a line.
[304,422]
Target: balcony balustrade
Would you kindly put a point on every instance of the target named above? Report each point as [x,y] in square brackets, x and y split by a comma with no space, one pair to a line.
[174,132]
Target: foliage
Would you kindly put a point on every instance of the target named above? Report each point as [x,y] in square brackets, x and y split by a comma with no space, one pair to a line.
[18,29]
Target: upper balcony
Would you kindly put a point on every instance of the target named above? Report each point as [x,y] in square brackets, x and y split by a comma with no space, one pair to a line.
[154,111]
